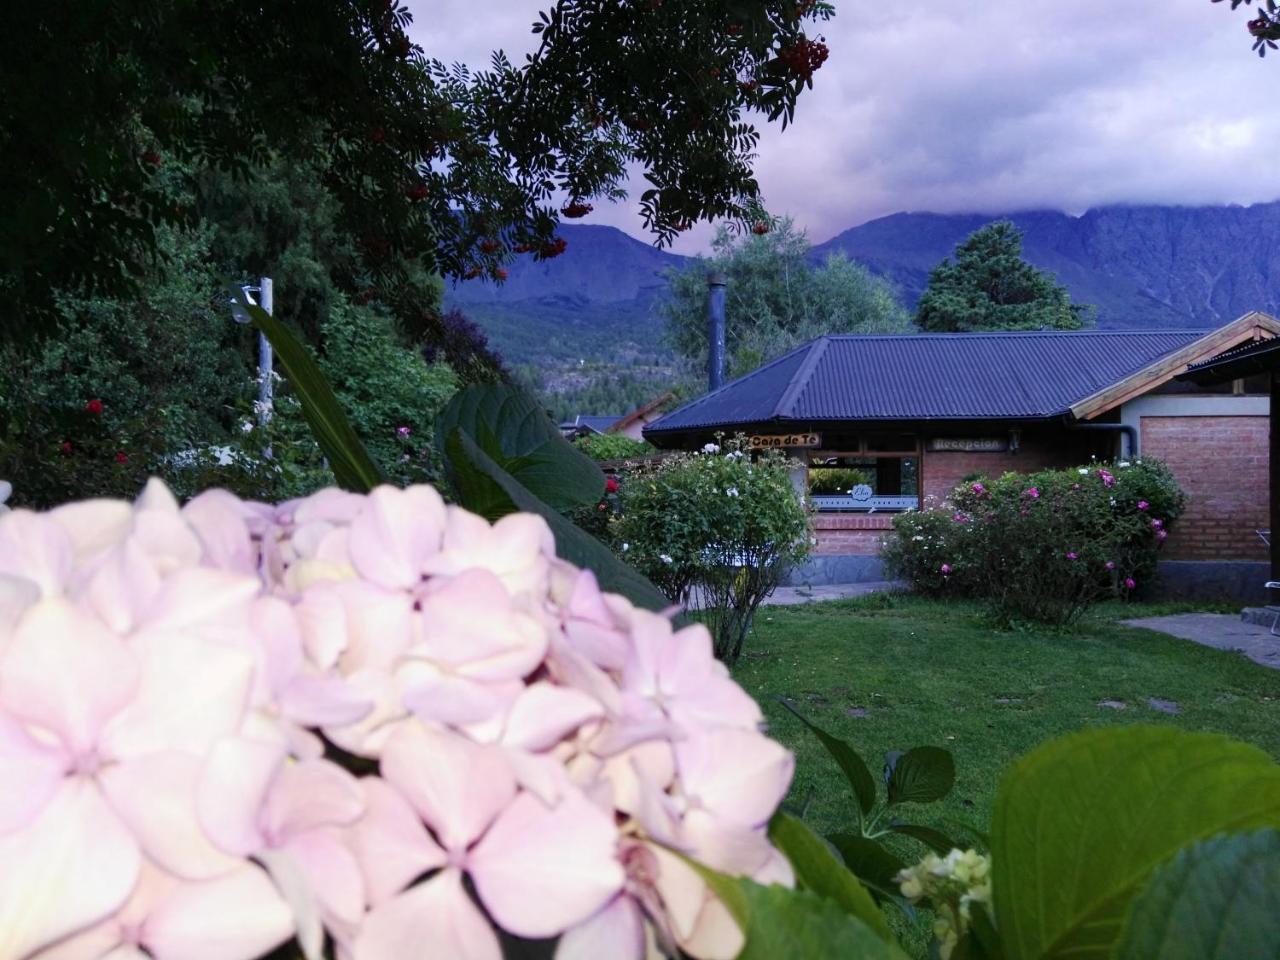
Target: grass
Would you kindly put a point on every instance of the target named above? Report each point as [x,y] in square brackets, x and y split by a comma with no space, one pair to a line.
[891,672]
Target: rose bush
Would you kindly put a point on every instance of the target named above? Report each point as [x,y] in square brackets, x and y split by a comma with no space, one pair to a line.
[375,719]
[1041,546]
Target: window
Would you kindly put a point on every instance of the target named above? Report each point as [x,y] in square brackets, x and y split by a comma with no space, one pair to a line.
[859,482]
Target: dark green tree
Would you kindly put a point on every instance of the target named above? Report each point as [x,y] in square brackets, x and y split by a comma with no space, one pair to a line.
[1265,27]
[988,286]
[427,164]
[776,299]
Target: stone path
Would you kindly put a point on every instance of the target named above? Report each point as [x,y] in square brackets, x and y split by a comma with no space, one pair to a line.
[789,596]
[1222,631]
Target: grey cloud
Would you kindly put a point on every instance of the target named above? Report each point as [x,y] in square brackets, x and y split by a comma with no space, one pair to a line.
[987,105]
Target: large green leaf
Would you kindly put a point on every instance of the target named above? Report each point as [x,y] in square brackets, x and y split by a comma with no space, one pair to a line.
[870,861]
[351,464]
[818,869]
[509,425]
[1081,822]
[795,924]
[481,481]
[935,840]
[848,759]
[921,775]
[1216,900]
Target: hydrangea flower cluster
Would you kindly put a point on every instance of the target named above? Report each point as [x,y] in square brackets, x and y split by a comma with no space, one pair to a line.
[950,885]
[375,720]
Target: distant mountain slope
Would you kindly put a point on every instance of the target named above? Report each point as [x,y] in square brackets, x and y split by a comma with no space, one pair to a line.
[1141,266]
[1168,267]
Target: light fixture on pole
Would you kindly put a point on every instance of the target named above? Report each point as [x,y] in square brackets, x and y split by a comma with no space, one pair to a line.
[266,301]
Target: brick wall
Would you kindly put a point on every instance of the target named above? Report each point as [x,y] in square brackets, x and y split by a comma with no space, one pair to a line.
[1221,463]
[856,534]
[943,470]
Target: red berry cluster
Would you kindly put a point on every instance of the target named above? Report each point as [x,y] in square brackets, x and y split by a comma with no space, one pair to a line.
[490,246]
[416,191]
[576,209]
[552,248]
[500,274]
[523,248]
[377,134]
[760,228]
[471,274]
[1260,27]
[804,6]
[151,158]
[747,86]
[804,56]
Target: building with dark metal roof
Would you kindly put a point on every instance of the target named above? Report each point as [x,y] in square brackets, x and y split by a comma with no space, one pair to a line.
[892,422]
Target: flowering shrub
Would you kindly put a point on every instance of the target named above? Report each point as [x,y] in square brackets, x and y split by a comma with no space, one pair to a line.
[716,529]
[613,446]
[377,719]
[1042,546]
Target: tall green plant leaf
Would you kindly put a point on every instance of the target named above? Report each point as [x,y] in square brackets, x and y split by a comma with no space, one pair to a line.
[1080,824]
[935,840]
[513,430]
[1217,900]
[795,924]
[818,869]
[483,483]
[870,861]
[921,775]
[850,762]
[351,464]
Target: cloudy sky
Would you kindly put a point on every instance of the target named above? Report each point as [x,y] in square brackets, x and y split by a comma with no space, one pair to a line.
[986,106]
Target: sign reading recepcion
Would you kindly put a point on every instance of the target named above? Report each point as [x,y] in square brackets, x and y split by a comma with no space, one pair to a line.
[761,441]
[969,444]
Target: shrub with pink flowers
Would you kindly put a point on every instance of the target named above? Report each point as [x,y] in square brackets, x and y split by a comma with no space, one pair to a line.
[374,724]
[1041,546]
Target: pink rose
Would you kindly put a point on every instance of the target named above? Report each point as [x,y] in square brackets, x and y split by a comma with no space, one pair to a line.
[946,569]
[1130,583]
[1143,505]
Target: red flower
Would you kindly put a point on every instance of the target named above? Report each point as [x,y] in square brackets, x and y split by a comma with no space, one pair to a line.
[151,158]
[121,457]
[611,484]
[66,446]
[94,406]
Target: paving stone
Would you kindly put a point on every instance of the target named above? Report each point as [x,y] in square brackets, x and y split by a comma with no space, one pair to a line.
[1113,704]
[1164,706]
[858,713]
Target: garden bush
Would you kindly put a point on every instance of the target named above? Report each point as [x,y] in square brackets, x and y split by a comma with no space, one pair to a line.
[613,446]
[716,528]
[1041,546]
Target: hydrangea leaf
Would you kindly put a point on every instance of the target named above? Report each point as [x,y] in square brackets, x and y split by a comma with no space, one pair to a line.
[850,762]
[921,775]
[510,426]
[1080,824]
[1215,900]
[796,924]
[819,870]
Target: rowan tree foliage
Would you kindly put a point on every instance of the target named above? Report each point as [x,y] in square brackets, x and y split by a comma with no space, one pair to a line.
[428,164]
[988,286]
[775,299]
[1265,27]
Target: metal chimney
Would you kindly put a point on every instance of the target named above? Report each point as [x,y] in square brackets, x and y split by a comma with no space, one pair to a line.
[715,329]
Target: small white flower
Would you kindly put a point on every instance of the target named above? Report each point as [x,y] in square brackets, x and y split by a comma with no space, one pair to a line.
[1124,463]
[665,558]
[711,448]
[246,426]
[1083,471]
[731,492]
[626,547]
[1113,501]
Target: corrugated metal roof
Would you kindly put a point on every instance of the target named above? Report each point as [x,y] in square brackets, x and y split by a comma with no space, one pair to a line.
[591,422]
[930,377]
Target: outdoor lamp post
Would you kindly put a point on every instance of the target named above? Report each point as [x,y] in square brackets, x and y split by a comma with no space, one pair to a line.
[240,315]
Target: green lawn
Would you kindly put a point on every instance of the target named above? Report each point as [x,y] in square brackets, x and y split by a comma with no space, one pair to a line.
[891,672]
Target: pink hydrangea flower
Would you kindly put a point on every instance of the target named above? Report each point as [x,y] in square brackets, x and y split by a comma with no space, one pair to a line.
[172,679]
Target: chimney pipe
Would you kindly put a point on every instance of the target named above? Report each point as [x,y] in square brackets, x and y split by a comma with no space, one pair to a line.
[715,329]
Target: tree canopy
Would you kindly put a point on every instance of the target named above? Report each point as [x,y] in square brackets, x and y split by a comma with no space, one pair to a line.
[428,164]
[775,299]
[988,286]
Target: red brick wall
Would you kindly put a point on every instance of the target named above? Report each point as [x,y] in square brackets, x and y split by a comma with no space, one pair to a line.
[856,534]
[1221,464]
[944,470]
